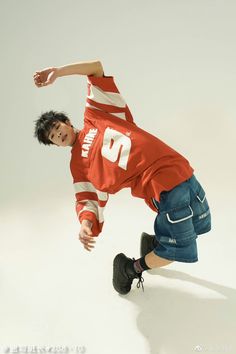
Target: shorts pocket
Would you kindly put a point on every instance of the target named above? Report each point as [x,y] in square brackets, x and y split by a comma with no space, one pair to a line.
[201,195]
[201,207]
[178,215]
[202,215]
[180,224]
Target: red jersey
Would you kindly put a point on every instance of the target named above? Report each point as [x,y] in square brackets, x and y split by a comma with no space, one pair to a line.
[111,153]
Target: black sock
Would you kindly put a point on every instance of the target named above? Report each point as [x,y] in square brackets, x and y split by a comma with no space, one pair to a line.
[140,265]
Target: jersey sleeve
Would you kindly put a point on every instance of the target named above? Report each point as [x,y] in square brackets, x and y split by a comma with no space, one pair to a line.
[90,204]
[103,95]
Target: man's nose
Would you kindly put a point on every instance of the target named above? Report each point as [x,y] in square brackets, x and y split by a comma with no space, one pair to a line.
[58,134]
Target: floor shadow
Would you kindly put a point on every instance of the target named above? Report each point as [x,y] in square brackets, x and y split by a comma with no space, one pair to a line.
[177,322]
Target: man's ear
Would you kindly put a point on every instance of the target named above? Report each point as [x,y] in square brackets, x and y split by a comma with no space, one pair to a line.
[68,122]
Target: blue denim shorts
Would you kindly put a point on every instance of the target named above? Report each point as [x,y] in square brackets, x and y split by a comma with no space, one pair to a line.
[183,214]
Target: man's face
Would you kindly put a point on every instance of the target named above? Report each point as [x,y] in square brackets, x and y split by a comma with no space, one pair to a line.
[62,134]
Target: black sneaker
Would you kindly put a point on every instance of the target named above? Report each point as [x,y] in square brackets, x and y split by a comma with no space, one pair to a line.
[124,274]
[147,244]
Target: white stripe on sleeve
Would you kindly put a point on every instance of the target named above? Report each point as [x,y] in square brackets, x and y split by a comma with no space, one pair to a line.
[118,115]
[88,187]
[92,205]
[109,98]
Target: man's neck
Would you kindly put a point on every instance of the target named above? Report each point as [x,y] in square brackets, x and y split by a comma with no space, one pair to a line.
[76,134]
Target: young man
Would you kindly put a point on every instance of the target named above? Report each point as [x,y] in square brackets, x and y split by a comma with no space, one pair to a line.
[111,153]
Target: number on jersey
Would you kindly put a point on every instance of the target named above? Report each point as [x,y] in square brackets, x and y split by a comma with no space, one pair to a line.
[116,144]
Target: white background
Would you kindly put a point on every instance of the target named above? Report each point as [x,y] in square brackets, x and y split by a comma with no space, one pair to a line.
[174,63]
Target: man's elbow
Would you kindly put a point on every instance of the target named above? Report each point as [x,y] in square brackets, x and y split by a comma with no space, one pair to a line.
[99,69]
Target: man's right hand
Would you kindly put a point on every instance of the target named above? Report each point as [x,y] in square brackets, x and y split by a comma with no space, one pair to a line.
[45,77]
[85,235]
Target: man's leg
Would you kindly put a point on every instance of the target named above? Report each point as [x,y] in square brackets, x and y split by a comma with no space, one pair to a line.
[154,261]
[147,244]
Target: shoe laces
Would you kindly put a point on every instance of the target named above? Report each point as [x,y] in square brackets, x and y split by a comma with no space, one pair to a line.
[141,279]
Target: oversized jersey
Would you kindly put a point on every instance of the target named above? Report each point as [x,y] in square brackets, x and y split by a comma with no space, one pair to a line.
[111,152]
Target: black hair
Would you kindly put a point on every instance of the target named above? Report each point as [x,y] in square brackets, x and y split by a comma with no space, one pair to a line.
[45,123]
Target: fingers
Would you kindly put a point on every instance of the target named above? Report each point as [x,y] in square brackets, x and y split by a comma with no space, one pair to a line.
[88,246]
[87,241]
[39,83]
[86,235]
[39,80]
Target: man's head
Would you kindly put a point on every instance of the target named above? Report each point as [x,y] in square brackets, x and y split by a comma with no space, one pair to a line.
[55,128]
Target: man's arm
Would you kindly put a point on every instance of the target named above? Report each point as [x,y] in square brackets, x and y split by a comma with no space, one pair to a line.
[82,68]
[49,75]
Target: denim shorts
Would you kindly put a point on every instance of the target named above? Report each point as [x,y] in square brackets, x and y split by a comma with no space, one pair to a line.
[183,214]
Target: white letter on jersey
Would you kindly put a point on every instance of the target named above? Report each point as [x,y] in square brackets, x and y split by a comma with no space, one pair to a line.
[120,142]
[88,140]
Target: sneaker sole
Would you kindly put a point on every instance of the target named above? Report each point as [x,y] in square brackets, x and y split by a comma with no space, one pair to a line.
[117,270]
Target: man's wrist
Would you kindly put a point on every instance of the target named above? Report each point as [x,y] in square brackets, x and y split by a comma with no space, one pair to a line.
[59,71]
[87,223]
